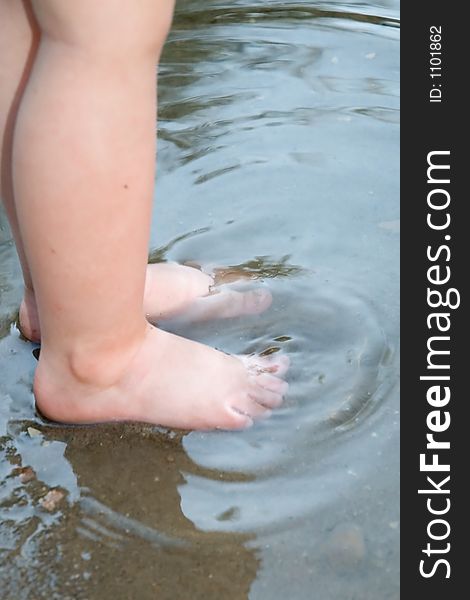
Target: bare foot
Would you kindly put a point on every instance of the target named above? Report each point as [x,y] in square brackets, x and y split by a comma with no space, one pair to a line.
[172,290]
[168,381]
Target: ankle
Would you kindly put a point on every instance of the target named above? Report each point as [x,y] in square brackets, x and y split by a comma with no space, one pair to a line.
[95,363]
[67,385]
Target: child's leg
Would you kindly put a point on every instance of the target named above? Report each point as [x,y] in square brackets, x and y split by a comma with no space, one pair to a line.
[83,172]
[18,44]
[171,290]
[174,291]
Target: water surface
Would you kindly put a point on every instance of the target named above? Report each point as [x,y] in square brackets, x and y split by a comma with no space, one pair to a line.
[278,154]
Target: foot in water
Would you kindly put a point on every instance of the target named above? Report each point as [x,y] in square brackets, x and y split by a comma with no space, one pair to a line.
[163,379]
[171,291]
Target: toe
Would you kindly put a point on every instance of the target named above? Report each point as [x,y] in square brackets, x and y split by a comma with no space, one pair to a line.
[224,304]
[256,301]
[274,363]
[272,383]
[251,406]
[235,419]
[265,397]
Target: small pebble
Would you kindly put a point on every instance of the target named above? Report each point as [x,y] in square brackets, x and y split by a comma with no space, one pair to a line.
[33,432]
[51,500]
[26,474]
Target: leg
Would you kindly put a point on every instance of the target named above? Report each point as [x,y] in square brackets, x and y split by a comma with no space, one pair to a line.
[18,44]
[175,291]
[83,169]
[171,290]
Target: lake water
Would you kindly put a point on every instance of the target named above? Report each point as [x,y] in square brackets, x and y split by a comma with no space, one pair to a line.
[278,154]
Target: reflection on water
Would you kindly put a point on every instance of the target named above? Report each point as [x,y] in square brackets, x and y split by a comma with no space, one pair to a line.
[277,162]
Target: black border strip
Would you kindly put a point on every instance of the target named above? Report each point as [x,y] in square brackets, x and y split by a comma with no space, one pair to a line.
[433,126]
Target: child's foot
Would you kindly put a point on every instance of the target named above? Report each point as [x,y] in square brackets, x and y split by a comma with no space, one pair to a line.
[172,290]
[167,381]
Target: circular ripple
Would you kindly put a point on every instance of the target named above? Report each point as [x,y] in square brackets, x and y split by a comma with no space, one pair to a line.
[338,376]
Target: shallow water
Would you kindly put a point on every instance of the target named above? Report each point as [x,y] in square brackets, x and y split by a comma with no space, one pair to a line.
[278,154]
